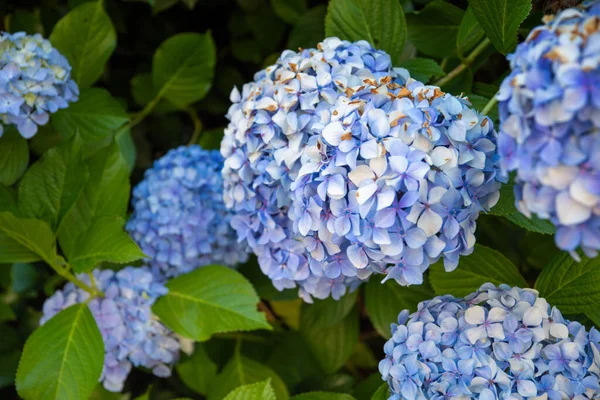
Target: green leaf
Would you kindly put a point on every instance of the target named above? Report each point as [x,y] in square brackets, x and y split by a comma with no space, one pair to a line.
[305,365]
[331,345]
[253,391]
[569,285]
[108,175]
[381,22]
[309,29]
[143,92]
[328,312]
[24,21]
[593,313]
[434,29]
[384,302]
[479,102]
[500,20]
[323,396]
[382,393]
[53,184]
[364,389]
[6,313]
[243,371]
[8,201]
[24,277]
[87,38]
[104,241]
[14,157]
[212,299]
[63,358]
[183,67]
[484,265]
[25,240]
[197,371]
[469,32]
[289,10]
[96,116]
[422,69]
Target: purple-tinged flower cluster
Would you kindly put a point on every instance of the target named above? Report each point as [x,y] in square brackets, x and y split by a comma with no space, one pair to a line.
[35,81]
[179,219]
[550,122]
[394,181]
[132,335]
[271,121]
[496,343]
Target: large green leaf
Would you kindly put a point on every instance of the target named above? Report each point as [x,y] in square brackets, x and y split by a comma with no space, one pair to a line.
[254,391]
[484,265]
[309,29]
[103,241]
[331,345]
[96,116]
[25,240]
[53,184]
[500,20]
[14,157]
[183,67]
[87,38]
[469,32]
[305,365]
[381,22]
[63,358]
[422,69]
[243,371]
[434,29]
[328,312]
[212,299]
[197,371]
[382,393]
[289,10]
[323,396]
[570,285]
[385,301]
[8,200]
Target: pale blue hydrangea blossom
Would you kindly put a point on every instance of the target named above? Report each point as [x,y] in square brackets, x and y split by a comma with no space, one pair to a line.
[271,121]
[496,343]
[395,181]
[132,336]
[35,81]
[179,219]
[550,122]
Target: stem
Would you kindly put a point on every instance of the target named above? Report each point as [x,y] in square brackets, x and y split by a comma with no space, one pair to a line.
[64,272]
[489,105]
[139,117]
[465,64]
[197,125]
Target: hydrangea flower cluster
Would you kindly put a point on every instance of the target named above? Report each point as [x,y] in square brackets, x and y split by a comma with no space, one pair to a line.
[549,112]
[179,219]
[339,165]
[131,335]
[35,81]
[394,182]
[496,343]
[270,123]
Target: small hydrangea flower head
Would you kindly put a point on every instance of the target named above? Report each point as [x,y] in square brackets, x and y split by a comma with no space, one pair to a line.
[179,219]
[271,120]
[394,181]
[35,81]
[496,343]
[550,122]
[132,335]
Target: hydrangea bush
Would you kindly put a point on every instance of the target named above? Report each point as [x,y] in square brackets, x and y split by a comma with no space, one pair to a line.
[496,343]
[233,200]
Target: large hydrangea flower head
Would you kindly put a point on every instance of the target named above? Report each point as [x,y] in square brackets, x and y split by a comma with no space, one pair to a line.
[132,335]
[179,219]
[496,343]
[271,121]
[395,181]
[549,113]
[35,81]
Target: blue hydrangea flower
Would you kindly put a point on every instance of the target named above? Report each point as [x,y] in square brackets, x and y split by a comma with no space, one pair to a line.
[35,81]
[179,219]
[271,121]
[132,335]
[549,113]
[496,343]
[394,181]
